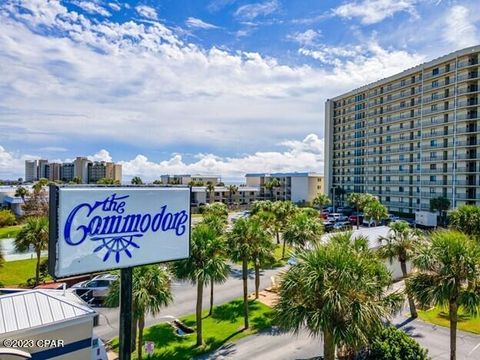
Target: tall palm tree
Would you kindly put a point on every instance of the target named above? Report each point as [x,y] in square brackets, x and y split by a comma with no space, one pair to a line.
[240,246]
[33,234]
[466,218]
[150,292]
[262,253]
[440,204]
[358,201]
[301,230]
[232,189]
[321,200]
[338,290]
[283,211]
[448,276]
[400,244]
[210,189]
[196,267]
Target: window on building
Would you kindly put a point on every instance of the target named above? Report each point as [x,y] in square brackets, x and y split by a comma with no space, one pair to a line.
[433,178]
[435,71]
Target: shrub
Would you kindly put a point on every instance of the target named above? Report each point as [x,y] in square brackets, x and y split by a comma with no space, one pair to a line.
[393,344]
[7,218]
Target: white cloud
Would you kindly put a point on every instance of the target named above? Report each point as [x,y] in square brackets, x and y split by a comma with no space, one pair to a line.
[12,165]
[115,6]
[138,84]
[147,12]
[92,8]
[459,29]
[252,11]
[305,155]
[307,37]
[197,23]
[374,11]
[102,155]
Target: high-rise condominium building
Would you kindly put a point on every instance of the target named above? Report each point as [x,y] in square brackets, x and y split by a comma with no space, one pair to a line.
[81,168]
[411,137]
[31,172]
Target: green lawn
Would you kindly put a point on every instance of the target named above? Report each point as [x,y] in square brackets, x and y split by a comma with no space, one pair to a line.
[10,231]
[225,325]
[15,273]
[439,316]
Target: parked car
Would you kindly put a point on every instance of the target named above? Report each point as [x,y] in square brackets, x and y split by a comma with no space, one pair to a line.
[353,219]
[342,225]
[392,217]
[369,223]
[328,225]
[96,289]
[334,217]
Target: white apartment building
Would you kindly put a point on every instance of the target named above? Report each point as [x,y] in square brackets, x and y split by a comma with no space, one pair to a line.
[410,137]
[188,179]
[298,187]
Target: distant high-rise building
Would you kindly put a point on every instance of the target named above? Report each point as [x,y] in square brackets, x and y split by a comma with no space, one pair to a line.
[67,172]
[53,171]
[42,169]
[100,169]
[31,172]
[81,169]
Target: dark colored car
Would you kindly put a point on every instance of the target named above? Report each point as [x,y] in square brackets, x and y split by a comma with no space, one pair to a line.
[353,219]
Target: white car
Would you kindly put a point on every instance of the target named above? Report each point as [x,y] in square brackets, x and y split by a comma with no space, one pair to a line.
[392,217]
[95,289]
[369,223]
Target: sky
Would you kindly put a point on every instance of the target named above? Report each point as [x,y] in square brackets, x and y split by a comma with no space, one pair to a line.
[212,87]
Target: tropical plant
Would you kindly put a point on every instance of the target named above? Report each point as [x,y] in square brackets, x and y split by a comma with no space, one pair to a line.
[301,230]
[241,243]
[262,253]
[374,211]
[283,211]
[34,234]
[395,344]
[108,181]
[272,184]
[261,205]
[198,266]
[321,200]
[21,192]
[157,182]
[36,204]
[466,219]
[358,201]
[210,189]
[136,180]
[150,292]
[232,190]
[7,218]
[400,244]
[337,289]
[77,180]
[440,204]
[448,275]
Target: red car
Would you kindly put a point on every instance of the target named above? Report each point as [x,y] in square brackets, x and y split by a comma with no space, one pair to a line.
[353,219]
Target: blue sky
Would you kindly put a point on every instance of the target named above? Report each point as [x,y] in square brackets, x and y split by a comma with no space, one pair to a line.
[219,86]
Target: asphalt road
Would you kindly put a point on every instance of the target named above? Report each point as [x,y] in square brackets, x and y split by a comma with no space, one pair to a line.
[184,301]
[285,346]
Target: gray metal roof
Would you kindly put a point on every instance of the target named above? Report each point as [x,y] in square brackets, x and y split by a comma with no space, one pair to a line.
[29,309]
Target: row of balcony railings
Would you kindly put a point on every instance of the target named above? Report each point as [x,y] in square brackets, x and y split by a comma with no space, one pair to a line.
[426,76]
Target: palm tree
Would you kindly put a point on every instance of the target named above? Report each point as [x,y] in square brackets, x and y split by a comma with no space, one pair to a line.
[358,201]
[466,219]
[301,230]
[283,211]
[261,205]
[337,289]
[210,189]
[151,291]
[400,243]
[21,192]
[33,234]
[77,180]
[440,204]
[136,180]
[262,253]
[448,276]
[375,211]
[271,184]
[241,246]
[196,267]
[321,200]
[232,189]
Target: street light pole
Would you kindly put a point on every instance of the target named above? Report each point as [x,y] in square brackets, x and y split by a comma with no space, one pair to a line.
[125,338]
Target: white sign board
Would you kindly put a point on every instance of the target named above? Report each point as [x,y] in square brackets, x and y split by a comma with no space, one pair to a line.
[103,228]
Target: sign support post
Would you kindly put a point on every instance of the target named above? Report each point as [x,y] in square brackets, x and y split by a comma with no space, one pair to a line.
[125,338]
